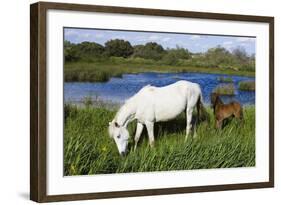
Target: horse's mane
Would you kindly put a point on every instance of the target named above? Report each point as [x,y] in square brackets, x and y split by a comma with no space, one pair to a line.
[136,94]
[218,101]
[131,100]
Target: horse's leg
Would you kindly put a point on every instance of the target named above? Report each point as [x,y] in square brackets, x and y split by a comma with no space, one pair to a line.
[138,134]
[239,115]
[219,124]
[198,106]
[188,121]
[149,127]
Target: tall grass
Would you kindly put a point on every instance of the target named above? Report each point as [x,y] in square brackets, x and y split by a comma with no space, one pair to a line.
[89,150]
[102,71]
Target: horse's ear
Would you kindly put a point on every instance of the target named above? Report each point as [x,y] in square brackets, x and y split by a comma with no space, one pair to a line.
[116,124]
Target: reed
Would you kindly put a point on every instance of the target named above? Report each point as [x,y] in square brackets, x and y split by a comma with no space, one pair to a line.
[88,150]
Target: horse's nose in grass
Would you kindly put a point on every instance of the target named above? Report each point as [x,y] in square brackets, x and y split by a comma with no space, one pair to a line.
[123,154]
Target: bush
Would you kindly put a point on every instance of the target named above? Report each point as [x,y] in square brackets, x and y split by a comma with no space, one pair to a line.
[87,101]
[170,59]
[225,89]
[150,50]
[247,85]
[119,48]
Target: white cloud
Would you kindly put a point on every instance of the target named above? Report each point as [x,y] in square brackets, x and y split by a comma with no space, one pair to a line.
[195,37]
[245,39]
[140,38]
[166,39]
[243,44]
[120,37]
[70,32]
[99,35]
[225,43]
[153,37]
[85,35]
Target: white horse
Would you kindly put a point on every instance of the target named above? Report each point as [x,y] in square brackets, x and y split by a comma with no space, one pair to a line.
[154,104]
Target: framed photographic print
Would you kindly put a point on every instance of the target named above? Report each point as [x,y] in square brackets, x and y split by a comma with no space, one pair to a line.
[134,102]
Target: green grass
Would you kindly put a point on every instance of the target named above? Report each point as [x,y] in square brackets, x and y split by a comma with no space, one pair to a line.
[89,150]
[225,79]
[102,71]
[225,89]
[247,85]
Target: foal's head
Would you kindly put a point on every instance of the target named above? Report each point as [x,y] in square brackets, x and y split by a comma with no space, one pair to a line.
[120,135]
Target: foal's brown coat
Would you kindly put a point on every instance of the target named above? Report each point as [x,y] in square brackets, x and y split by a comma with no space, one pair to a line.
[223,111]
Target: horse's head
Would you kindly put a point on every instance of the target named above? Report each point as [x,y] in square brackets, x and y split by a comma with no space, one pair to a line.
[120,135]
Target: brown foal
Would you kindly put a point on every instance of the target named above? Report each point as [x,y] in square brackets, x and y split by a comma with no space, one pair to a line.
[223,111]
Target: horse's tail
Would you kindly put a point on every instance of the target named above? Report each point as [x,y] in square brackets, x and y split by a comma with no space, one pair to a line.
[201,111]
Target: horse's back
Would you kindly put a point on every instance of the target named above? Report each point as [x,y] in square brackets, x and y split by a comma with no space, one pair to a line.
[238,110]
[180,88]
[236,105]
[164,103]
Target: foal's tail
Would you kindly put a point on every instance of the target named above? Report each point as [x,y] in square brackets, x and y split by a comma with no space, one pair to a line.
[201,111]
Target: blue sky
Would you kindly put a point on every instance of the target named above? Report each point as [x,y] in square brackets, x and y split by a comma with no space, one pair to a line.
[193,42]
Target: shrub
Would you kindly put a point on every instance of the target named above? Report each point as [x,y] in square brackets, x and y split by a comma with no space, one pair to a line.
[247,85]
[225,89]
[119,48]
[87,101]
[150,50]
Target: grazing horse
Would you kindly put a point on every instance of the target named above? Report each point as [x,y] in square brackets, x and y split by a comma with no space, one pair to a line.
[223,111]
[155,104]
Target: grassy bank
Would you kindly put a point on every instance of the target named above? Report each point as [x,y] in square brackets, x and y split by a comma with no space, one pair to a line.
[225,79]
[102,71]
[89,150]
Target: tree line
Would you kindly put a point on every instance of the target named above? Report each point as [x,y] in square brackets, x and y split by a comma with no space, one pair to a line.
[152,52]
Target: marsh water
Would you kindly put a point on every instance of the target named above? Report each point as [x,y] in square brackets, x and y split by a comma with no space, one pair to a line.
[117,90]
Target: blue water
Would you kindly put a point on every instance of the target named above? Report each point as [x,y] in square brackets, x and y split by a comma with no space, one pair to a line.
[117,90]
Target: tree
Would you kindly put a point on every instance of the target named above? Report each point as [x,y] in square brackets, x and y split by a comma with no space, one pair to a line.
[85,50]
[88,50]
[70,54]
[240,54]
[119,48]
[150,50]
[244,61]
[172,56]
[218,56]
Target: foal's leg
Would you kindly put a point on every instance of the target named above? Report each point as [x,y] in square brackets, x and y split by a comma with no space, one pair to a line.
[219,124]
[188,121]
[149,127]
[239,115]
[138,134]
